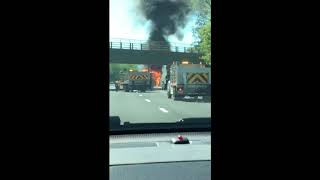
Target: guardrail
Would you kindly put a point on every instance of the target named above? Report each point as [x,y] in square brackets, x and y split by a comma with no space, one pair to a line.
[155,46]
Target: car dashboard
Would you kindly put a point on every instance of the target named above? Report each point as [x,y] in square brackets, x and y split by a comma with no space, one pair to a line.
[156,157]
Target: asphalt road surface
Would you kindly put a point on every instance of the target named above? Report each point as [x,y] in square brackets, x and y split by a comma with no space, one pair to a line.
[154,106]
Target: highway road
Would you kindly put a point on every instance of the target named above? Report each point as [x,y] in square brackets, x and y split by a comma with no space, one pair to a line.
[154,106]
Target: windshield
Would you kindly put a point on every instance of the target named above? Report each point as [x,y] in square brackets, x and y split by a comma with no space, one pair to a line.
[160,60]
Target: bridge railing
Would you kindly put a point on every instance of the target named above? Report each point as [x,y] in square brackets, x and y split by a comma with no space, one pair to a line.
[151,46]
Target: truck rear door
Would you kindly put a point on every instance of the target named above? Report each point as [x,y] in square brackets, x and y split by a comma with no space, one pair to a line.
[139,78]
[197,82]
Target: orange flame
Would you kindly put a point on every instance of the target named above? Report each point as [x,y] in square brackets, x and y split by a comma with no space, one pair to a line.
[156,78]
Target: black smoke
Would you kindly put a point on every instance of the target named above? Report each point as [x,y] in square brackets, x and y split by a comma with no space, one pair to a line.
[168,17]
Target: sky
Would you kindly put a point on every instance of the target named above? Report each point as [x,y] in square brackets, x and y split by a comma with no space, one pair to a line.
[124,23]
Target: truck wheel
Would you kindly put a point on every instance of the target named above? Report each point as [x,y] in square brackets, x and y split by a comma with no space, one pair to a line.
[126,89]
[208,98]
[174,96]
[169,94]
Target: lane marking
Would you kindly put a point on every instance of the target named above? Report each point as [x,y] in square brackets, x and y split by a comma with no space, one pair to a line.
[140,94]
[147,100]
[164,110]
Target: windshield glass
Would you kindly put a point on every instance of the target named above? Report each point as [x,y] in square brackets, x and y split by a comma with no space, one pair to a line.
[160,60]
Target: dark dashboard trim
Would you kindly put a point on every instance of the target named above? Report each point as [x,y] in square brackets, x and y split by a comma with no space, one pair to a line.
[166,162]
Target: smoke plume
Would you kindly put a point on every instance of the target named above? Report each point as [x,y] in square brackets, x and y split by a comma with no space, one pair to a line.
[168,17]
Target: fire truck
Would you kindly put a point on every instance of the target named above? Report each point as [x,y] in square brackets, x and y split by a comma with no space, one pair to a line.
[187,79]
[136,81]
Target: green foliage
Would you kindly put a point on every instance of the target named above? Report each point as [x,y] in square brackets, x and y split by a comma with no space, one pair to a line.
[205,43]
[202,30]
[202,9]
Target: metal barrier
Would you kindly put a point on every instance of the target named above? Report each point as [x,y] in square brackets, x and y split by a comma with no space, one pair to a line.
[154,46]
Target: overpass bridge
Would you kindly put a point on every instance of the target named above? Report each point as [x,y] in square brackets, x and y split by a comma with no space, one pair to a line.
[124,51]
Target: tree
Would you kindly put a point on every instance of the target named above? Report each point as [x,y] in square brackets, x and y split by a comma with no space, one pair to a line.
[205,42]
[202,9]
[202,30]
